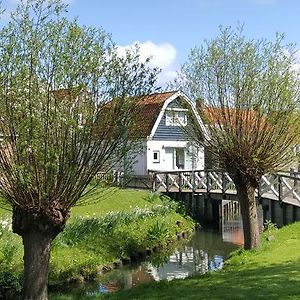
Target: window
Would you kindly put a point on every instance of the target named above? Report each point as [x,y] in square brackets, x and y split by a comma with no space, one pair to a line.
[176,117]
[179,158]
[156,156]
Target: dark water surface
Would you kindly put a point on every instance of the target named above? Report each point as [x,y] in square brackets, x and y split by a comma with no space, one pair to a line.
[205,251]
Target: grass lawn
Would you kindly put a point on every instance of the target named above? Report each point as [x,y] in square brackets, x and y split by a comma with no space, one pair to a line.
[106,200]
[118,222]
[273,272]
[113,199]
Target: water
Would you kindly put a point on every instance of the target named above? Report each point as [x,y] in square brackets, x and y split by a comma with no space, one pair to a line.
[205,251]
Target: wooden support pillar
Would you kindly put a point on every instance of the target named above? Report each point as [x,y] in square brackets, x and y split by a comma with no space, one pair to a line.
[294,213]
[288,218]
[272,211]
[197,206]
[260,216]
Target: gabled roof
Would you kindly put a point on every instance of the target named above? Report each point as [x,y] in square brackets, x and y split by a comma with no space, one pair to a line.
[143,111]
[147,113]
[170,97]
[230,116]
[150,108]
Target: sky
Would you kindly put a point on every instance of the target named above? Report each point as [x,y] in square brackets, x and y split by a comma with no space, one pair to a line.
[167,30]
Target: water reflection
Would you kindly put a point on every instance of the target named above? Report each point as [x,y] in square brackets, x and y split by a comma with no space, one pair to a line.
[205,251]
[231,223]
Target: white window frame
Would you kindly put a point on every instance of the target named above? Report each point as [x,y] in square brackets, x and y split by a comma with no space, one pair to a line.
[156,160]
[173,117]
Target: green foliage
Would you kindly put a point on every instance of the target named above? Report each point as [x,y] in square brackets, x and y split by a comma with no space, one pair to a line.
[10,259]
[270,227]
[9,243]
[249,94]
[158,232]
[118,226]
[152,196]
[272,272]
[10,280]
[9,250]
[115,235]
[57,82]
[87,228]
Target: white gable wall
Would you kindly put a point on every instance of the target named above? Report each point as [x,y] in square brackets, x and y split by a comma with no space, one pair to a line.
[167,148]
[193,157]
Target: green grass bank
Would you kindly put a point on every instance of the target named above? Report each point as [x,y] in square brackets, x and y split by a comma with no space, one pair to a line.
[124,225]
[272,272]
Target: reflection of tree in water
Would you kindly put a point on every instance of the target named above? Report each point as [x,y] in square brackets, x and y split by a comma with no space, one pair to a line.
[201,261]
[160,258]
[185,262]
[205,251]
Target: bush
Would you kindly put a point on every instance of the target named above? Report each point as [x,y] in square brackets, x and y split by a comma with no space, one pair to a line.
[157,233]
[87,244]
[10,259]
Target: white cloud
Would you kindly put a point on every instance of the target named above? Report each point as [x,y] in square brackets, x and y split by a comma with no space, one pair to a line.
[162,56]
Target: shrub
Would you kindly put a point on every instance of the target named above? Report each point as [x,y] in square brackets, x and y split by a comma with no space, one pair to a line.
[157,233]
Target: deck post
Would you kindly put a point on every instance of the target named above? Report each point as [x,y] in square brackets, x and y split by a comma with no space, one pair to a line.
[193,182]
[154,182]
[223,185]
[167,182]
[294,213]
[279,190]
[259,192]
[180,181]
[207,182]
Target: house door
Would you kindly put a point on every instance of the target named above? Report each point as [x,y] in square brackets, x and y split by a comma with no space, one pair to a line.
[179,158]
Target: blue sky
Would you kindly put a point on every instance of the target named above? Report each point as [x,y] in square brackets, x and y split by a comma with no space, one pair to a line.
[167,29]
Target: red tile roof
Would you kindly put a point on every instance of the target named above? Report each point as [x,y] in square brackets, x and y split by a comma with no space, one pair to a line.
[241,120]
[149,109]
[144,114]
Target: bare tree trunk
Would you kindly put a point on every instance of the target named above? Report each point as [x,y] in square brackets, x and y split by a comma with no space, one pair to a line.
[37,248]
[246,196]
[37,231]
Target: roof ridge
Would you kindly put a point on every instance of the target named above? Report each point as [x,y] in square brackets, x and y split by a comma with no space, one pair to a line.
[166,92]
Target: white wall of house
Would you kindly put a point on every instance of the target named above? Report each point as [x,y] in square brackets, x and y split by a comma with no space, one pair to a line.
[174,155]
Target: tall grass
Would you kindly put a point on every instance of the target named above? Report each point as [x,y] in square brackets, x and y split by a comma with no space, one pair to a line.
[95,240]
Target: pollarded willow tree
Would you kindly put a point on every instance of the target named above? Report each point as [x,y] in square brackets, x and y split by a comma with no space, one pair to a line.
[247,93]
[58,124]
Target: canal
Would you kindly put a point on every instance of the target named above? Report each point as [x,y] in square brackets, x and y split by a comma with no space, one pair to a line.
[205,251]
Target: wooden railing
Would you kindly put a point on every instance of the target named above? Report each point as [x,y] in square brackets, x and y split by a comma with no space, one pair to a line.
[283,186]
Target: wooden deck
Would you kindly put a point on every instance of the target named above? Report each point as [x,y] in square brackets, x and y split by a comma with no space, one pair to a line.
[281,187]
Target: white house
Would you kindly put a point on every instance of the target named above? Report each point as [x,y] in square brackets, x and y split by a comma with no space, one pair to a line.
[166,145]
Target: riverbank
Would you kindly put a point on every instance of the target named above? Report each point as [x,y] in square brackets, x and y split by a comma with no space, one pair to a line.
[127,225]
[272,272]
